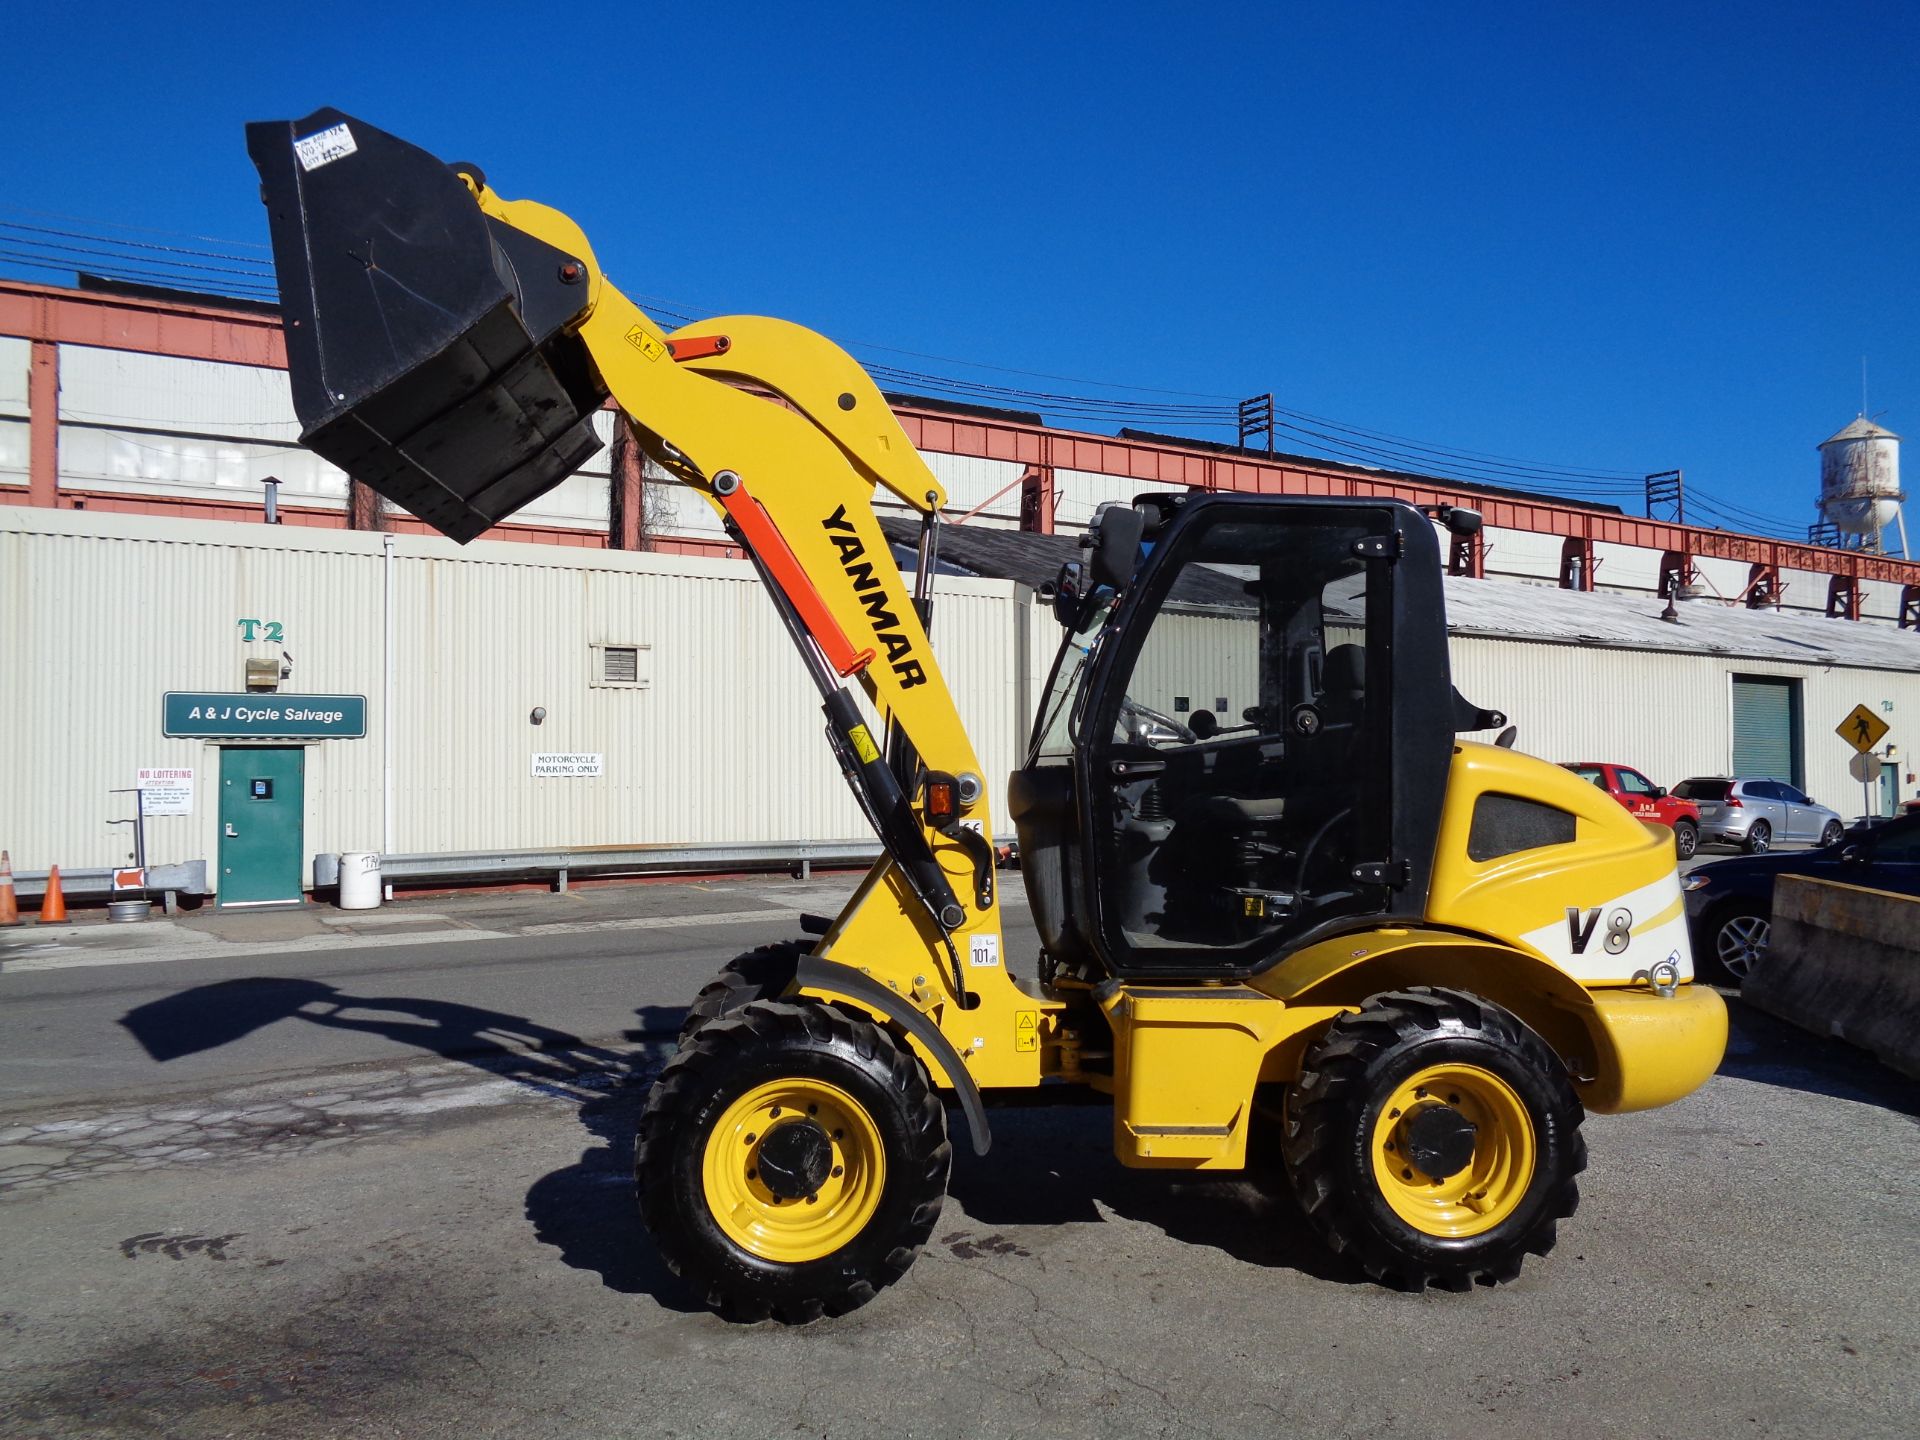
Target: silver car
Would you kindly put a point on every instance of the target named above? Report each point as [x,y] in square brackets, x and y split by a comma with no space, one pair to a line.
[1754,814]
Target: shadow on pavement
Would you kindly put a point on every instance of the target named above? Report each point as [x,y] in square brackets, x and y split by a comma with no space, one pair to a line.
[1766,1049]
[586,1211]
[1056,1166]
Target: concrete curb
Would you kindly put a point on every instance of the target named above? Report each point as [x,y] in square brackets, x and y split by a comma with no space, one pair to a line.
[1844,961]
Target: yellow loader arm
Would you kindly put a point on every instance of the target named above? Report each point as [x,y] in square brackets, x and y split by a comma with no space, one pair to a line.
[449,347]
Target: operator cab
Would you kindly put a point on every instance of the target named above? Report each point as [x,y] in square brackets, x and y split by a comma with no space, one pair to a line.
[1244,742]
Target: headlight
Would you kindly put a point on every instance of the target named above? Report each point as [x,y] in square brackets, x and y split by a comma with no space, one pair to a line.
[1698,880]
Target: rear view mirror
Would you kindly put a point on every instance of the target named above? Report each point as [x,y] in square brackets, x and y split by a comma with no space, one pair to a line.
[1115,542]
[1659,792]
[1204,724]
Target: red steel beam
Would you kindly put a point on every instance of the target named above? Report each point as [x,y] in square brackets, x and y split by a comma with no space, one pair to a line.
[199,332]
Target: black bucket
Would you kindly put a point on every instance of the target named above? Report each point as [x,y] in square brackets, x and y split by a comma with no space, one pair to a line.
[429,345]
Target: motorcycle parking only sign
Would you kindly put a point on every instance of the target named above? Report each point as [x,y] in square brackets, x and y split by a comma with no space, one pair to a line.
[566,766]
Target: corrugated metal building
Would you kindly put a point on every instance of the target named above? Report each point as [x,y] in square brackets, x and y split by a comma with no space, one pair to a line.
[674,671]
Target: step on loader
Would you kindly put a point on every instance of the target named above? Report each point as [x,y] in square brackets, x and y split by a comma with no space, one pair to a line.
[1282,898]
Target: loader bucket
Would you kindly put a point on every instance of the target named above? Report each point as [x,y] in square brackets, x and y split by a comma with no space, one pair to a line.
[430,346]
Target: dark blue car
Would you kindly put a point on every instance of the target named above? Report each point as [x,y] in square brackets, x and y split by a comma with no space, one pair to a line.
[1730,902]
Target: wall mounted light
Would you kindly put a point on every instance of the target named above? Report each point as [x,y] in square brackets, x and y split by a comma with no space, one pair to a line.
[539,714]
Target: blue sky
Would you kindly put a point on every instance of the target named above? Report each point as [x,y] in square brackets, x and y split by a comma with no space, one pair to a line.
[1627,237]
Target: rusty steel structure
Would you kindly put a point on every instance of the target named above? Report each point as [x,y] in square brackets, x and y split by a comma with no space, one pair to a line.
[51,316]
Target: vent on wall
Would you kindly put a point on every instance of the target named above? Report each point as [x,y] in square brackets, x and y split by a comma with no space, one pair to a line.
[622,667]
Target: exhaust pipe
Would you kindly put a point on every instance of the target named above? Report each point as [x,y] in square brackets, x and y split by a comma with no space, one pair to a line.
[431,347]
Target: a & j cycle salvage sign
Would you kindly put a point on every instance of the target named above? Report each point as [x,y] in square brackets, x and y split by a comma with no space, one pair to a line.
[264,716]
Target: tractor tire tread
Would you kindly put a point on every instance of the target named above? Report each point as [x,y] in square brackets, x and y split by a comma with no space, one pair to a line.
[835,1284]
[1337,1074]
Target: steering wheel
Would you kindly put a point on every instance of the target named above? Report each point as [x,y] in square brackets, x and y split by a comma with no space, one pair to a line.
[1138,718]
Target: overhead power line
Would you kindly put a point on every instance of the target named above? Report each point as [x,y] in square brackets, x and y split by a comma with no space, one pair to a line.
[56,243]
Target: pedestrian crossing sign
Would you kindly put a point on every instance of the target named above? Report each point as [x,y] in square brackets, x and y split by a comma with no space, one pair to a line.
[1862,729]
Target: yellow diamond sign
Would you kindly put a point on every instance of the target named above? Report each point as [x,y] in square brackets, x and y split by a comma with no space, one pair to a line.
[1862,729]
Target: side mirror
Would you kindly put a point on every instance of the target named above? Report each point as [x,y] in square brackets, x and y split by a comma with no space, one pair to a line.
[1204,724]
[1854,855]
[1067,595]
[1659,792]
[1115,542]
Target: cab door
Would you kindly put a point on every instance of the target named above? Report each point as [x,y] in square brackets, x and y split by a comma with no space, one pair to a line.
[1264,747]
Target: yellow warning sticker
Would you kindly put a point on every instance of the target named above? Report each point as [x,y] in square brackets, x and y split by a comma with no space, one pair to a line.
[1026,1020]
[1026,1031]
[863,745]
[645,343]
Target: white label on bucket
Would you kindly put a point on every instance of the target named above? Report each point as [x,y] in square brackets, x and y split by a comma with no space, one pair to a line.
[984,950]
[326,147]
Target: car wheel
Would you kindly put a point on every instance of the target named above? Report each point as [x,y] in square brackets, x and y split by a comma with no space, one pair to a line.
[1759,838]
[1686,839]
[1739,942]
[1833,834]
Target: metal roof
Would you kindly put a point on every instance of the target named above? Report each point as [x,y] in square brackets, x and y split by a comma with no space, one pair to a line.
[1861,429]
[1505,609]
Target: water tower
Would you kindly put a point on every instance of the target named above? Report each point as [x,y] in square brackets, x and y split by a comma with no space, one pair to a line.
[1860,485]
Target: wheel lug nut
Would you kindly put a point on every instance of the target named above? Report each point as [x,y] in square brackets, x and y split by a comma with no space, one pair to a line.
[1393,1115]
[813,1109]
[1389,1145]
[753,1174]
[839,1134]
[837,1172]
[775,1111]
[812,1199]
[1406,1174]
[751,1138]
[1453,1099]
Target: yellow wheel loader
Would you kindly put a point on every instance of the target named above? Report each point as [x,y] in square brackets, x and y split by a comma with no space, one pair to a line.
[1274,886]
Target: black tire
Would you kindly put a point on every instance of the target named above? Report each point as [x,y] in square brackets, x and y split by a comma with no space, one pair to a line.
[1833,834]
[1740,932]
[1759,839]
[726,1060]
[1336,1113]
[1686,838]
[762,974]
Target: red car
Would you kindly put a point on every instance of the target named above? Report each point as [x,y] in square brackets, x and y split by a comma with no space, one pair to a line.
[1646,800]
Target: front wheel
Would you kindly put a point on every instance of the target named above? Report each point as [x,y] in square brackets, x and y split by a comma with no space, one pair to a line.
[791,1162]
[1833,834]
[1686,839]
[1434,1139]
[1759,838]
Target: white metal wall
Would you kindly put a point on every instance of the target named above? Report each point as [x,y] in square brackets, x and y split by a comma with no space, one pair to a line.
[1670,715]
[103,613]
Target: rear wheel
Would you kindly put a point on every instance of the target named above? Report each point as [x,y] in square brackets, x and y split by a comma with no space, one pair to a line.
[791,1162]
[1686,838]
[1740,937]
[762,974]
[1833,834]
[1434,1139]
[1759,838]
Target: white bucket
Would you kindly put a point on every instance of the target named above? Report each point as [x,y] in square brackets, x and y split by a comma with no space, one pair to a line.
[360,881]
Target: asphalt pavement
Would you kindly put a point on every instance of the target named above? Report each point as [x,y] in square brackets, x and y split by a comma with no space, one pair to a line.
[313,1179]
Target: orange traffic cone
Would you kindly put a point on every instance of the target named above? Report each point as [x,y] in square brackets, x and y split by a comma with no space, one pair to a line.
[53,909]
[9,906]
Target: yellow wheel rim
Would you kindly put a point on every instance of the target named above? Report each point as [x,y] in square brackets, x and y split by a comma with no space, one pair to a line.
[792,1230]
[1493,1182]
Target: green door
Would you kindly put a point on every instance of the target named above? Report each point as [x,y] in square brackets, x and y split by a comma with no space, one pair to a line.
[262,799]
